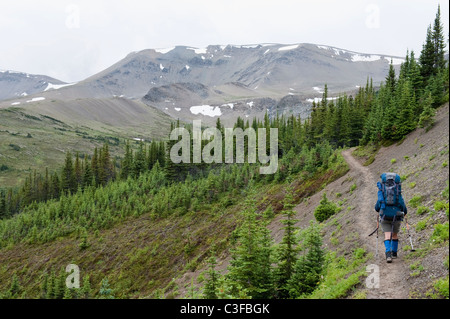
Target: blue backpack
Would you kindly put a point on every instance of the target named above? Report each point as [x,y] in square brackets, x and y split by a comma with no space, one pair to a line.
[389,194]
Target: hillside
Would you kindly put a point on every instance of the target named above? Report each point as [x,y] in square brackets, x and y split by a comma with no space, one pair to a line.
[38,135]
[422,160]
[153,257]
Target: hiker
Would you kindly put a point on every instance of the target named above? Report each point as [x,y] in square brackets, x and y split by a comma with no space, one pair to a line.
[392,209]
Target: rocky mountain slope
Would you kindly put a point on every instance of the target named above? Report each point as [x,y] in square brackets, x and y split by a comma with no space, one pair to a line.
[17,84]
[205,83]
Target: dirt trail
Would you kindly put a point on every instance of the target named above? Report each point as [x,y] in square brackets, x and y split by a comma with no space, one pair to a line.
[393,282]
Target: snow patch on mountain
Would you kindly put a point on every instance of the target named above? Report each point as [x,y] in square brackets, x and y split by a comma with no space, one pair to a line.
[206,110]
[164,50]
[289,47]
[199,51]
[51,86]
[36,99]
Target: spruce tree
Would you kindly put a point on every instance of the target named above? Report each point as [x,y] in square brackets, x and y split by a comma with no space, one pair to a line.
[287,254]
[427,56]
[105,290]
[426,119]
[85,292]
[309,267]
[68,182]
[210,289]
[438,43]
[391,79]
[127,162]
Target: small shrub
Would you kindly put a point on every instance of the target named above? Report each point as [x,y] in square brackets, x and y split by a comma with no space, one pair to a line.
[393,161]
[325,210]
[432,157]
[445,164]
[442,288]
[440,233]
[439,205]
[421,225]
[406,158]
[412,185]
[422,210]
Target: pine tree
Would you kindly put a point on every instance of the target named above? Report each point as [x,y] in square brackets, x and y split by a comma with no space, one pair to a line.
[85,292]
[44,286]
[287,255]
[391,79]
[105,291]
[427,56]
[405,121]
[50,286]
[87,176]
[426,119]
[95,168]
[15,289]
[68,182]
[243,266]
[212,282]
[77,170]
[3,212]
[309,267]
[139,164]
[59,285]
[438,43]
[127,162]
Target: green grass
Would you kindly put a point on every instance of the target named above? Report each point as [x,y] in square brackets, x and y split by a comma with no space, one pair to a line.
[422,210]
[415,201]
[367,153]
[342,275]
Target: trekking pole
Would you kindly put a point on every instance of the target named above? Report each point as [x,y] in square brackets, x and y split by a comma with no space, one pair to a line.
[409,234]
[376,230]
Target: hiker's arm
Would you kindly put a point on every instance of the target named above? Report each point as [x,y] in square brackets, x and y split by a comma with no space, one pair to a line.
[402,204]
[379,205]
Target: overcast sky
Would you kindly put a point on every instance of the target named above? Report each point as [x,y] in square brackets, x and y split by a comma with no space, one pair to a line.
[73,39]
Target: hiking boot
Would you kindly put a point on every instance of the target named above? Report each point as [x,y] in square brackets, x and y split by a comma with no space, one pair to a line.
[394,254]
[388,257]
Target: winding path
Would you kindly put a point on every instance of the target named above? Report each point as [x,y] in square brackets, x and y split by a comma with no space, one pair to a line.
[393,277]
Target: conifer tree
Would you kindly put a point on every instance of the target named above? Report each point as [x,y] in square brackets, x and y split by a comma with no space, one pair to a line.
[68,182]
[87,176]
[287,255]
[426,119]
[210,289]
[391,79]
[438,43]
[309,266]
[427,56]
[85,292]
[105,290]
